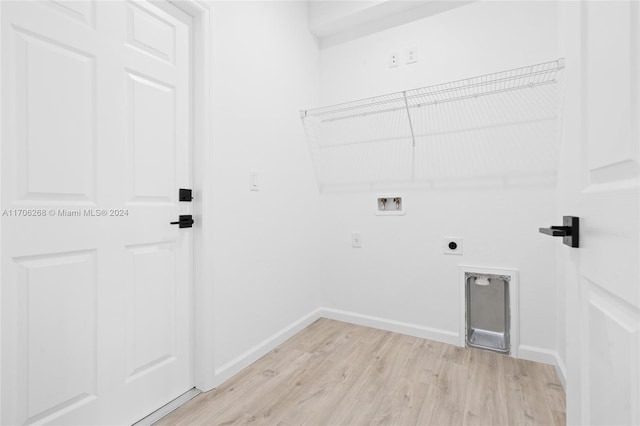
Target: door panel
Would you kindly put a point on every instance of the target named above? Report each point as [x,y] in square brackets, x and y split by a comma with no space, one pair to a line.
[82,11]
[155,57]
[150,33]
[151,139]
[64,111]
[600,176]
[57,314]
[150,313]
[43,111]
[608,98]
[96,292]
[613,358]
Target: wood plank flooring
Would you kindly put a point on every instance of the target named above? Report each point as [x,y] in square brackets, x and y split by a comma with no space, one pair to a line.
[334,373]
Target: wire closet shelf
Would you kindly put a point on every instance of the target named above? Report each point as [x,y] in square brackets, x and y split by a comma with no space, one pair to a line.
[488,84]
[494,126]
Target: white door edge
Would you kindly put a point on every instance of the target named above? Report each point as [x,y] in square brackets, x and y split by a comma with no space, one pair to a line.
[1,325]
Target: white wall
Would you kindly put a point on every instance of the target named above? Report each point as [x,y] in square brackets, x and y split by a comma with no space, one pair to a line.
[284,251]
[265,66]
[400,273]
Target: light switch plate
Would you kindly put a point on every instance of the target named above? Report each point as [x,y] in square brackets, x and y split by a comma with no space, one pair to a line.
[412,55]
[254,181]
[356,240]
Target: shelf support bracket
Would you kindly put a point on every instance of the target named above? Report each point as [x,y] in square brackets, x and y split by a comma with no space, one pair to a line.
[413,138]
[406,104]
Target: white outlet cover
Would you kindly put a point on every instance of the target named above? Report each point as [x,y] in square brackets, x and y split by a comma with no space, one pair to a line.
[394,60]
[448,240]
[412,55]
[356,240]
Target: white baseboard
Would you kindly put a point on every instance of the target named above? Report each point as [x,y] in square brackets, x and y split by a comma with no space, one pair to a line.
[530,353]
[409,329]
[545,356]
[537,354]
[231,368]
[561,370]
[239,363]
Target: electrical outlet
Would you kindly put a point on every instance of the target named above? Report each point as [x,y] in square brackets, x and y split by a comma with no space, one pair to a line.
[452,245]
[356,240]
[412,55]
[394,60]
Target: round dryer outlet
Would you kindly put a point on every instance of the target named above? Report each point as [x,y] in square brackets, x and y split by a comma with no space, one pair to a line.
[452,245]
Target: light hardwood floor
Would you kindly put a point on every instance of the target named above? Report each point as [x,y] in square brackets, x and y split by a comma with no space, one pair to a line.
[334,373]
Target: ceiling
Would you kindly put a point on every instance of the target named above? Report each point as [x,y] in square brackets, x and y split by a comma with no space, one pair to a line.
[338,21]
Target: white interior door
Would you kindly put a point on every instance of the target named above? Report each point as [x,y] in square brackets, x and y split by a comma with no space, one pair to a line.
[599,177]
[96,284]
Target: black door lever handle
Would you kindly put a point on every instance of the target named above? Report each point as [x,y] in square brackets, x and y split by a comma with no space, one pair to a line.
[556,231]
[569,231]
[184,221]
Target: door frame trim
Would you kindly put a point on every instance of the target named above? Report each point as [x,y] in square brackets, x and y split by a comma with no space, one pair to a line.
[1,145]
[201,11]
